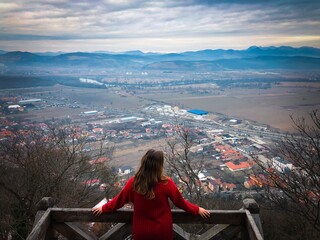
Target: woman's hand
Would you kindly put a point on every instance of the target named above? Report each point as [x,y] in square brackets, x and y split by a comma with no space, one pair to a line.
[97,211]
[203,212]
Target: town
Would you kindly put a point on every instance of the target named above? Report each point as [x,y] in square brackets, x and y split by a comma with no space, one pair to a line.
[228,148]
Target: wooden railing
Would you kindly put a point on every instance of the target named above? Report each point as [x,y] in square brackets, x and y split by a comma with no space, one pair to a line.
[231,224]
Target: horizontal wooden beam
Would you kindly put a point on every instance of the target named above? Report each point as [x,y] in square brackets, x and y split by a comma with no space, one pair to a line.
[85,215]
[235,217]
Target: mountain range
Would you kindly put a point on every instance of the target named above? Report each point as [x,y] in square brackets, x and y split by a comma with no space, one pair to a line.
[283,57]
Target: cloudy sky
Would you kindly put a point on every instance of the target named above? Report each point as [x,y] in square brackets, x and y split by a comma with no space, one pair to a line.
[156,25]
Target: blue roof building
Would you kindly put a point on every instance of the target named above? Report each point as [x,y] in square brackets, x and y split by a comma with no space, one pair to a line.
[197,112]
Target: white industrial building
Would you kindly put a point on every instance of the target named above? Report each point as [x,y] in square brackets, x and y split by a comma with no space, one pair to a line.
[91,112]
[28,101]
[280,164]
[14,106]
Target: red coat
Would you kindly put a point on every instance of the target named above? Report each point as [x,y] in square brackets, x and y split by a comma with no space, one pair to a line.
[152,218]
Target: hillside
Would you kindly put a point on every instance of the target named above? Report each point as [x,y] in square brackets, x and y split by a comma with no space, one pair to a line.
[205,60]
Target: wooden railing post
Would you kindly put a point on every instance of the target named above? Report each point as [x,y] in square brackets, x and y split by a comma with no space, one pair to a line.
[43,205]
[252,206]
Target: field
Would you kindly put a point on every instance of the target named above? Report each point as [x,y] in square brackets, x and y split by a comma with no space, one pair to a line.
[130,152]
[86,99]
[271,106]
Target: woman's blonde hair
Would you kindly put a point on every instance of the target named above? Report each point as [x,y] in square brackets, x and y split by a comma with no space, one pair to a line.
[149,173]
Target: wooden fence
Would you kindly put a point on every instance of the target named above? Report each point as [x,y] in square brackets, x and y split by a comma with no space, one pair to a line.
[68,222]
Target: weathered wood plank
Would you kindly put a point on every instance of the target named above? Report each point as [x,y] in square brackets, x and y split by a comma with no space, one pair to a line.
[72,231]
[231,232]
[236,217]
[41,228]
[257,220]
[252,228]
[85,215]
[179,233]
[216,229]
[118,232]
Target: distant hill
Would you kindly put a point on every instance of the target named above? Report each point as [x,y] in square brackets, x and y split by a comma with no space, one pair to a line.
[256,63]
[205,60]
[96,60]
[20,58]
[283,51]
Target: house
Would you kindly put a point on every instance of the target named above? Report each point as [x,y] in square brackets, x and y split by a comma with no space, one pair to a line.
[228,186]
[238,166]
[214,184]
[124,170]
[98,130]
[204,175]
[5,133]
[228,153]
[92,182]
[254,180]
[249,183]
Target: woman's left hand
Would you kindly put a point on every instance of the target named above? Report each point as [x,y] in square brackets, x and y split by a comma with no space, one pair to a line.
[97,211]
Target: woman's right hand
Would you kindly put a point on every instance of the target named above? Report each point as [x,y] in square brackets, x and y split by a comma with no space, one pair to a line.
[203,212]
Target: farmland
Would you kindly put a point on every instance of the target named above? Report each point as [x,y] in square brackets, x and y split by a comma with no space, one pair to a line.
[272,106]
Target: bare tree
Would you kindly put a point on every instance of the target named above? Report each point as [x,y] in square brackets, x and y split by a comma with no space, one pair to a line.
[181,164]
[36,164]
[297,189]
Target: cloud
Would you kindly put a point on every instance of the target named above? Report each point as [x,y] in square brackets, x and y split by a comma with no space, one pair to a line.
[142,20]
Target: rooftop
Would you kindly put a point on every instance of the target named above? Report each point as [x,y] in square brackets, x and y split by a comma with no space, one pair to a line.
[198,112]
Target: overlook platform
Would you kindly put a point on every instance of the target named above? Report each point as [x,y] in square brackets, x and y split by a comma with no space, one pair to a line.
[68,222]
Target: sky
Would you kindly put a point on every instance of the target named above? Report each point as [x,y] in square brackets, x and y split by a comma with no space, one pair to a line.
[156,25]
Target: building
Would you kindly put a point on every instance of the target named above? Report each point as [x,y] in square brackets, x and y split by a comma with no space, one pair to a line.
[92,182]
[255,181]
[280,164]
[94,112]
[29,101]
[238,167]
[14,106]
[128,119]
[197,112]
[97,130]
[125,170]
[263,160]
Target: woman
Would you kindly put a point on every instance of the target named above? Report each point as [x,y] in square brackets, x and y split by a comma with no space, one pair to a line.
[149,191]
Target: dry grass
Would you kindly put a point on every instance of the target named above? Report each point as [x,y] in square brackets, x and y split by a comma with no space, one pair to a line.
[270,106]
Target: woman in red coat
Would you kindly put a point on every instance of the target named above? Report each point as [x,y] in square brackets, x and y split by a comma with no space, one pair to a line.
[149,191]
